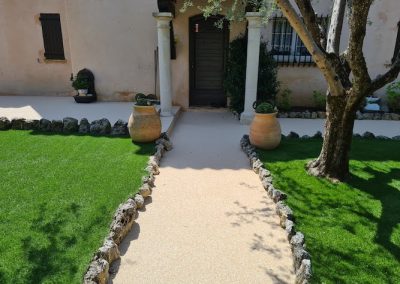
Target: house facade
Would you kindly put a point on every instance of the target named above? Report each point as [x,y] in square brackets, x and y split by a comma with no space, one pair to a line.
[125,43]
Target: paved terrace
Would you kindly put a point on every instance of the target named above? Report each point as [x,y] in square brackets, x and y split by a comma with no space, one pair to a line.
[60,107]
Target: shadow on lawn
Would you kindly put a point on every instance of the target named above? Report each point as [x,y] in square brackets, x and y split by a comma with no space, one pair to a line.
[44,250]
[2,277]
[301,149]
[340,210]
[48,247]
[389,198]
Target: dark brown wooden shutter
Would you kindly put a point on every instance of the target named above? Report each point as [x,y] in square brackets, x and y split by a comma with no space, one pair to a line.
[52,36]
[397,47]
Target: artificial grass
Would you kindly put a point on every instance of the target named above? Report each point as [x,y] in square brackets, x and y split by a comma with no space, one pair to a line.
[57,198]
[352,229]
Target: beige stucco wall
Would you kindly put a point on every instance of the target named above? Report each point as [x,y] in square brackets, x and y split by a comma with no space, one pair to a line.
[117,39]
[378,50]
[23,70]
[381,37]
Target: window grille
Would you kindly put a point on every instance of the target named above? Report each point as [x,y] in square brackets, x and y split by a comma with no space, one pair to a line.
[287,47]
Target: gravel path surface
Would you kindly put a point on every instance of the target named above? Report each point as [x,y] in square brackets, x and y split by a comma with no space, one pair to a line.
[209,219]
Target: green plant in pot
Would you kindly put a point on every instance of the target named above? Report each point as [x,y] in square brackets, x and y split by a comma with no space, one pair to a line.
[265,130]
[265,108]
[81,85]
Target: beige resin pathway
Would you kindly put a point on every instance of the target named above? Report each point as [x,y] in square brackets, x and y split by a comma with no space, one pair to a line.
[210,220]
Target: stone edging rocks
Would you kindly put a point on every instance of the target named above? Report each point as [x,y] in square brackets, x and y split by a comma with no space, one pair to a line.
[124,218]
[301,258]
[365,135]
[68,125]
[322,115]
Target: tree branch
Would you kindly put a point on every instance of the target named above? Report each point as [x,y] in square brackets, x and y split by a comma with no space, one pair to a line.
[319,56]
[310,19]
[381,80]
[335,28]
[358,65]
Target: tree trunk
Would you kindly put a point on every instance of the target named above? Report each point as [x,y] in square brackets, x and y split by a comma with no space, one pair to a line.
[333,161]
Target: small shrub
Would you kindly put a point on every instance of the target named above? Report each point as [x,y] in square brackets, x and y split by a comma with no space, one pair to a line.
[283,100]
[393,96]
[265,108]
[142,102]
[319,100]
[80,84]
[140,96]
[235,76]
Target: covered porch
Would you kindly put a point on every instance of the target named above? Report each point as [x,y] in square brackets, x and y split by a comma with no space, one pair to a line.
[191,58]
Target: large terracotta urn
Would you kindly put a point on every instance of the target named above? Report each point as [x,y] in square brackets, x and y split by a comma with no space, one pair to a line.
[265,131]
[144,124]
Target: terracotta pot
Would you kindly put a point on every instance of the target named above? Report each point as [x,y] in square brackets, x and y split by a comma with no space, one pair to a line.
[144,124]
[265,131]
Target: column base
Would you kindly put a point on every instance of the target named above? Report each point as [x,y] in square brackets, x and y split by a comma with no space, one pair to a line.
[246,118]
[166,113]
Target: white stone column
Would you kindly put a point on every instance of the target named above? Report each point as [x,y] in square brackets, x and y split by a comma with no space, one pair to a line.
[164,61]
[253,57]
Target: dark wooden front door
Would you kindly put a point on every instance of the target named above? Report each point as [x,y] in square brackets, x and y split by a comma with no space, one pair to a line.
[208,47]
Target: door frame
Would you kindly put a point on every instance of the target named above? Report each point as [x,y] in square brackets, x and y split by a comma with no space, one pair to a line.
[192,50]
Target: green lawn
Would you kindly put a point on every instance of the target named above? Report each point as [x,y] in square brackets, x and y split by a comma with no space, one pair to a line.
[57,198]
[352,229]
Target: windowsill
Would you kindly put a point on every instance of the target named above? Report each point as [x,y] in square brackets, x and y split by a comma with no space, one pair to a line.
[294,60]
[295,64]
[50,61]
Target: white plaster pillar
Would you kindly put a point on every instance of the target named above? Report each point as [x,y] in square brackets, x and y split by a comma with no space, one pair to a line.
[253,57]
[164,61]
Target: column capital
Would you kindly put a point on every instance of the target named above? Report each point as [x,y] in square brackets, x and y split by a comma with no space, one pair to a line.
[254,19]
[163,16]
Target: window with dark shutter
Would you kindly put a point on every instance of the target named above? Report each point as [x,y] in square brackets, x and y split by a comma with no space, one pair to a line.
[52,36]
[397,46]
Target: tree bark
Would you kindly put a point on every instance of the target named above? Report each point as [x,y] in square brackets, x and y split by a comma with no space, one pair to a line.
[335,27]
[333,161]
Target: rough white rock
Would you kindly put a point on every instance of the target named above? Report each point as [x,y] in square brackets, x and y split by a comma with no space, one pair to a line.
[97,272]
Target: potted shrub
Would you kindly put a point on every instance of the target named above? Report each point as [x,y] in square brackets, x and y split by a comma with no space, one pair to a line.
[265,130]
[81,85]
[144,123]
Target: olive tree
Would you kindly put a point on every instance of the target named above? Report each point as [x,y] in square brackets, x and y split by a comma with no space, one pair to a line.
[346,72]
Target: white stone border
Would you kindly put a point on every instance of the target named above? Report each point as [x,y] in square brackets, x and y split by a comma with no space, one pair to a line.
[124,218]
[301,258]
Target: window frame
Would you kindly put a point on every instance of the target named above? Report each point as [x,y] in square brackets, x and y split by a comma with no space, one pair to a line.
[53,41]
[298,54]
